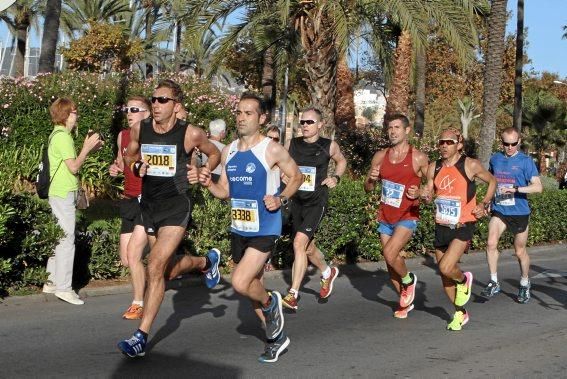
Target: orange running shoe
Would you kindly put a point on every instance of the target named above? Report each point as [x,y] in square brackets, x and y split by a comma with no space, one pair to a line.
[403,312]
[134,312]
[290,301]
[327,284]
[407,294]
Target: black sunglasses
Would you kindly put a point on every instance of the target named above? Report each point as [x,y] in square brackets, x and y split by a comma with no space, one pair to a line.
[449,142]
[277,139]
[308,122]
[506,144]
[133,109]
[161,99]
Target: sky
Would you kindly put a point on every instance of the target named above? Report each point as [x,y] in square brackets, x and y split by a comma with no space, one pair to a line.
[543,18]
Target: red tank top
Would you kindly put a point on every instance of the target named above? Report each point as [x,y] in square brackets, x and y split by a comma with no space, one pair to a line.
[395,206]
[455,194]
[132,184]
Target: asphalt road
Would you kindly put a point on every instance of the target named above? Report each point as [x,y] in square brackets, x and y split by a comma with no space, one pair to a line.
[202,333]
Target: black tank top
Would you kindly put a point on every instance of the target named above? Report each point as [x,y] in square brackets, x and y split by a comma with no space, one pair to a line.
[313,161]
[167,174]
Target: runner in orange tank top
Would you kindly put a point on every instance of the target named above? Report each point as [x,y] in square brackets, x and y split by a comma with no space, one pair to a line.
[401,169]
[451,180]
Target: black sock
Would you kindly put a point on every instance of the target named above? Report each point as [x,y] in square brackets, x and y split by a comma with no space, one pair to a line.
[143,333]
[462,309]
[462,282]
[208,263]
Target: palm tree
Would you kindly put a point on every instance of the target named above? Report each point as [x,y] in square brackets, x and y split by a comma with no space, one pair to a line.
[50,36]
[519,66]
[76,14]
[19,17]
[492,78]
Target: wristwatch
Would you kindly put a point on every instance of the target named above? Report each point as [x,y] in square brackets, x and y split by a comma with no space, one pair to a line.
[338,178]
[516,188]
[284,200]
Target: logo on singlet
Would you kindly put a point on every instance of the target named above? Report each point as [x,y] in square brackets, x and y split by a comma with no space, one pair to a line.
[250,168]
[446,183]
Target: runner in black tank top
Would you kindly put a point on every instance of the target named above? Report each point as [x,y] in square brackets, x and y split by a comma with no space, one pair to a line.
[165,144]
[312,154]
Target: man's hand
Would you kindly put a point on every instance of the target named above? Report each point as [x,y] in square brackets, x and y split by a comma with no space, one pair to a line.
[374,173]
[205,177]
[479,211]
[413,192]
[272,203]
[330,182]
[426,194]
[115,168]
[193,174]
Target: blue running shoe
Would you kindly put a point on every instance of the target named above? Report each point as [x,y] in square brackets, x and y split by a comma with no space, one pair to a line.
[274,349]
[274,316]
[135,346]
[212,275]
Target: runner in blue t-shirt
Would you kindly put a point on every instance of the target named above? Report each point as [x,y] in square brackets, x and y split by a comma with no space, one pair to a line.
[517,176]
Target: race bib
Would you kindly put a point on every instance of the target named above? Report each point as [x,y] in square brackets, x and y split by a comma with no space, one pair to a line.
[244,214]
[161,158]
[309,174]
[392,193]
[448,211]
[505,199]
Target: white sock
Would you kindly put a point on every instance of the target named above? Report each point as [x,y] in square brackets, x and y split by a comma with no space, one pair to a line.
[140,303]
[293,292]
[494,277]
[524,281]
[325,274]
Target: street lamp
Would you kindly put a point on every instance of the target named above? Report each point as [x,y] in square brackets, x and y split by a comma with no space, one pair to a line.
[559,82]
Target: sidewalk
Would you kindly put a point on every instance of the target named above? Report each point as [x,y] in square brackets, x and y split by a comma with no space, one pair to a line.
[476,257]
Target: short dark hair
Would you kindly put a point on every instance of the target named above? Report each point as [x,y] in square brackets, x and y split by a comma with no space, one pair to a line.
[257,98]
[176,90]
[398,116]
[272,128]
[142,99]
[510,130]
[313,109]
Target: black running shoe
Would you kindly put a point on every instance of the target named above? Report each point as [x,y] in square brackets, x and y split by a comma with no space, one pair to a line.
[274,349]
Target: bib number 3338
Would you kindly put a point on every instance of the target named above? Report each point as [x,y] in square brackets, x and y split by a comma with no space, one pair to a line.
[244,214]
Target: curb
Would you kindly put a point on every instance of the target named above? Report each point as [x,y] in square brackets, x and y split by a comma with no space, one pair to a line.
[192,280]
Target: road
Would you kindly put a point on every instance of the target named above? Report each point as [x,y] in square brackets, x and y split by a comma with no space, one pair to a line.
[202,333]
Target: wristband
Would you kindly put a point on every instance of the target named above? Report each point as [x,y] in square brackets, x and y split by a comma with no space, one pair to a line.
[338,178]
[135,167]
[517,189]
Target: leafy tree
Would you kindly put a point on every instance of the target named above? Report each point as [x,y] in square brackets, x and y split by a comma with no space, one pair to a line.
[102,47]
[77,14]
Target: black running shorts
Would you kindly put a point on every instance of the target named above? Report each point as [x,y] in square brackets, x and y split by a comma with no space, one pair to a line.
[444,234]
[515,224]
[306,217]
[239,244]
[175,211]
[131,214]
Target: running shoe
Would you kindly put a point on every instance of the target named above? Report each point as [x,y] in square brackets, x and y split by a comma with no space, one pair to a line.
[407,293]
[464,292]
[212,275]
[135,346]
[274,316]
[327,284]
[524,294]
[491,289]
[134,312]
[403,312]
[274,349]
[290,301]
[460,319]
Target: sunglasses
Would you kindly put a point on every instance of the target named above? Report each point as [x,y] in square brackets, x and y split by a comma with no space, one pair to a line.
[277,139]
[161,99]
[308,122]
[133,109]
[448,142]
[506,144]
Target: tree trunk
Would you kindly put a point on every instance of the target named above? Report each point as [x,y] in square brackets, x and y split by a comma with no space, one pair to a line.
[344,114]
[21,36]
[492,78]
[149,22]
[519,67]
[50,36]
[269,81]
[178,31]
[420,74]
[398,97]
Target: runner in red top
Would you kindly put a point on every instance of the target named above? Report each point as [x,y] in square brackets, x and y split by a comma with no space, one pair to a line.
[132,234]
[451,180]
[400,168]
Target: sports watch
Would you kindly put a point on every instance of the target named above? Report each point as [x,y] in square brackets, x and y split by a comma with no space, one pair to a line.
[284,200]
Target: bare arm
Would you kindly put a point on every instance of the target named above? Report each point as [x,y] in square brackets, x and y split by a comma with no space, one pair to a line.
[475,168]
[340,165]
[426,192]
[535,186]
[196,137]
[277,155]
[374,172]
[219,189]
[118,165]
[91,143]
[420,166]
[133,149]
